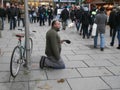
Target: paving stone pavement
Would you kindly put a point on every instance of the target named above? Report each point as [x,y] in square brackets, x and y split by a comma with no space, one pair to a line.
[86,68]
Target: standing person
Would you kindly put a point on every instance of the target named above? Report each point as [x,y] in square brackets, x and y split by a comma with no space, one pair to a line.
[118,25]
[12,17]
[112,23]
[64,17]
[53,48]
[50,14]
[8,13]
[42,13]
[101,21]
[78,17]
[2,16]
[85,22]
[72,14]
[23,15]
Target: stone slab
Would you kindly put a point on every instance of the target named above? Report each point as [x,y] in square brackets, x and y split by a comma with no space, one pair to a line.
[64,73]
[115,69]
[38,75]
[78,57]
[94,83]
[75,64]
[112,81]
[14,86]
[91,72]
[98,62]
[49,85]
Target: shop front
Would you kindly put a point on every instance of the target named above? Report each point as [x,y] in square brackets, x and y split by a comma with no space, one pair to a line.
[99,3]
[40,2]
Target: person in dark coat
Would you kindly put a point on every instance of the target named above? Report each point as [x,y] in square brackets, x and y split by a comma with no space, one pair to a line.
[12,17]
[112,21]
[78,17]
[118,25]
[50,14]
[64,17]
[85,23]
[72,14]
[2,16]
[42,13]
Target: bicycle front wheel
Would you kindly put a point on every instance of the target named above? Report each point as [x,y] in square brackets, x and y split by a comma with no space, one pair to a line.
[15,61]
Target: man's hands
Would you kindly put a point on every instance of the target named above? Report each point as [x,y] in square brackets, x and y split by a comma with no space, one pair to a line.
[67,41]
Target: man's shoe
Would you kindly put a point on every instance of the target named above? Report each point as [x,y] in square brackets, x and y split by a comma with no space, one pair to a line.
[102,49]
[42,62]
[118,47]
[111,44]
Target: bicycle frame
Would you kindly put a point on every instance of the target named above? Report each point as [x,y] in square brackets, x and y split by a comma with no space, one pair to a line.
[21,45]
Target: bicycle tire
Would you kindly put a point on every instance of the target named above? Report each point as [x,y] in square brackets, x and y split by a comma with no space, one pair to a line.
[15,60]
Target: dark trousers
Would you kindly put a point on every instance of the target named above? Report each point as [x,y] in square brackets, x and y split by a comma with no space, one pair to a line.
[12,23]
[42,21]
[113,36]
[49,20]
[111,31]
[23,21]
[85,31]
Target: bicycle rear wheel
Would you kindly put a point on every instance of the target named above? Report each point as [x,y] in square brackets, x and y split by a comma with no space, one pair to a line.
[15,61]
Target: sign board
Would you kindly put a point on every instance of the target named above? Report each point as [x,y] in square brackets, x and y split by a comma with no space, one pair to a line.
[67,0]
[55,0]
[59,11]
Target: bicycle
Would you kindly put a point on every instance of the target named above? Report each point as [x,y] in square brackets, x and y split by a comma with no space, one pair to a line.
[18,56]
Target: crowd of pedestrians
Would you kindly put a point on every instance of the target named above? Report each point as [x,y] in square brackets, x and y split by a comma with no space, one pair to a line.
[81,16]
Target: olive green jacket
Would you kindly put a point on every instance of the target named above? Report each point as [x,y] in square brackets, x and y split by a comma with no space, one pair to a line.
[53,46]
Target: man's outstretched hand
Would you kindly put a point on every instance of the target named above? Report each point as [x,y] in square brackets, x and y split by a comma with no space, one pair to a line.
[67,41]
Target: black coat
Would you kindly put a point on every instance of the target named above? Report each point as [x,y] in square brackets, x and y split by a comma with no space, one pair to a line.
[118,18]
[78,14]
[64,15]
[2,12]
[112,21]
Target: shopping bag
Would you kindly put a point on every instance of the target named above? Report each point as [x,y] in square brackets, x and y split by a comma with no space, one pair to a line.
[94,29]
[71,25]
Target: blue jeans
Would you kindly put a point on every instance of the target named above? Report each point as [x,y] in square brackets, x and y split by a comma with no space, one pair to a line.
[77,24]
[12,23]
[118,34]
[102,40]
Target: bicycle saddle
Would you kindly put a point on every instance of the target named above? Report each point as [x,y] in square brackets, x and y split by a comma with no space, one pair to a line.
[20,35]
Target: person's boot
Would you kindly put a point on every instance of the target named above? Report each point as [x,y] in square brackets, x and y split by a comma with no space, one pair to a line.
[118,47]
[111,44]
[102,49]
[42,62]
